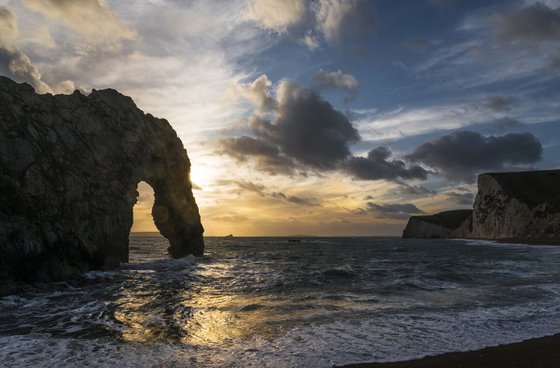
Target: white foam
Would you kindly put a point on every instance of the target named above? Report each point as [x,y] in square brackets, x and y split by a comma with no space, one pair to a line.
[162,264]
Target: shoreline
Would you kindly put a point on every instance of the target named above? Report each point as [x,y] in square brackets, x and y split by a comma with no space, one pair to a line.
[537,241]
[516,241]
[541,352]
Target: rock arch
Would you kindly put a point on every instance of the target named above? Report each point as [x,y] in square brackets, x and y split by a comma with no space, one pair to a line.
[69,169]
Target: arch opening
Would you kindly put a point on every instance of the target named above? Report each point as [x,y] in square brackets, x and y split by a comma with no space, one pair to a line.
[146,243]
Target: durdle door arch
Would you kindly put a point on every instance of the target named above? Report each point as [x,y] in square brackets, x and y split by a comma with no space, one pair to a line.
[69,169]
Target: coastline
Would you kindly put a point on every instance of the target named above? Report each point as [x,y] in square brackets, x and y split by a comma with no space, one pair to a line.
[542,352]
[532,241]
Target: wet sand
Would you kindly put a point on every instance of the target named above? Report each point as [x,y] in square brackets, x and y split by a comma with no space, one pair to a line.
[542,352]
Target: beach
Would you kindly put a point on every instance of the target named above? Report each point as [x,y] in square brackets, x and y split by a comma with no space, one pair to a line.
[541,352]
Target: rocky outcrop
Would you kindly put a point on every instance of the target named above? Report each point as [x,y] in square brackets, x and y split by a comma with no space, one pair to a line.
[522,205]
[69,170]
[518,206]
[448,224]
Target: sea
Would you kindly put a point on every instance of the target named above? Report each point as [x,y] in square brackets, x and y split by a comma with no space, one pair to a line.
[281,302]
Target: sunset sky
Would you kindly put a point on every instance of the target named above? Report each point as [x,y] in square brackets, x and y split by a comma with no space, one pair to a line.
[319,117]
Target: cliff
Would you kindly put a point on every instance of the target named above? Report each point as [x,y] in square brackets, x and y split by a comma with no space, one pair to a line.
[448,224]
[522,206]
[69,170]
[518,205]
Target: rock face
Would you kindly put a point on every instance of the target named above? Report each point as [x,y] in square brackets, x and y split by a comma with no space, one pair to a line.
[522,206]
[448,224]
[518,205]
[69,170]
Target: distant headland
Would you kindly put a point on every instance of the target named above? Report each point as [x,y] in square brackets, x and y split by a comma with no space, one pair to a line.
[519,207]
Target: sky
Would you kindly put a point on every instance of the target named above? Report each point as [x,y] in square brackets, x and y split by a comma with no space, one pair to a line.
[317,117]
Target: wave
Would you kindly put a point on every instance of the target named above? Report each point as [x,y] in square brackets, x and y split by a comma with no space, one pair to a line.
[162,264]
[342,271]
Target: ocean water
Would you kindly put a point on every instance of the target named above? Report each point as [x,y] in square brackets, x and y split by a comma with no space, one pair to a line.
[268,302]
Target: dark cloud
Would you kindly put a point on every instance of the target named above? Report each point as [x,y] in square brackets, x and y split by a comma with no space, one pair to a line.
[418,190]
[338,80]
[460,155]
[396,211]
[251,187]
[535,23]
[261,191]
[304,128]
[376,166]
[500,104]
[462,198]
[268,157]
[503,124]
[309,129]
[302,201]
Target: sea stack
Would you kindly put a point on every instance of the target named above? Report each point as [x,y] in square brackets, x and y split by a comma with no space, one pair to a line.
[516,206]
[70,166]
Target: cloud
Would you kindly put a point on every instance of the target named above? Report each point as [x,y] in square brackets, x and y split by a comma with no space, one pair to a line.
[396,211]
[268,156]
[91,18]
[303,131]
[9,31]
[260,189]
[21,66]
[301,201]
[338,80]
[342,19]
[252,187]
[460,155]
[500,104]
[18,62]
[304,128]
[230,218]
[310,40]
[337,21]
[461,197]
[502,124]
[258,92]
[308,128]
[276,15]
[535,23]
[376,166]
[418,190]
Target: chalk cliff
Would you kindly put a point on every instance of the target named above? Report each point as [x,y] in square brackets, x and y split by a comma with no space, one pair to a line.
[448,224]
[523,206]
[69,170]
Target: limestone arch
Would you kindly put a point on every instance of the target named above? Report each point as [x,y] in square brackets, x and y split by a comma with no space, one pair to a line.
[175,216]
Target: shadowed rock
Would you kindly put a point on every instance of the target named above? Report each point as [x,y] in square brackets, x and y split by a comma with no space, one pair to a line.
[69,169]
[518,205]
[448,224]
